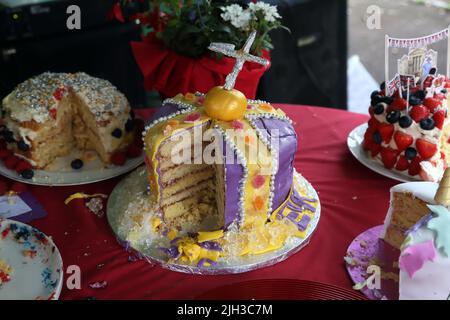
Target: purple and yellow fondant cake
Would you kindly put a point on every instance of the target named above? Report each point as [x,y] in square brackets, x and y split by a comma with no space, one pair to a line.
[244,202]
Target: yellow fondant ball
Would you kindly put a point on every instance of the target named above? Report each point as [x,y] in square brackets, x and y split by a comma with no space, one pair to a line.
[225,105]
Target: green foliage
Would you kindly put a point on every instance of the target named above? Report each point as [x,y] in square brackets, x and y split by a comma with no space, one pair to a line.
[189,26]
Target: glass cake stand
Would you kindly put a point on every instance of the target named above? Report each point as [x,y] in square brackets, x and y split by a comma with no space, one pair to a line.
[131,190]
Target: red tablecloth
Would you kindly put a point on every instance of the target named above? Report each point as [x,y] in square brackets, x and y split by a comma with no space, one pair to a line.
[353,199]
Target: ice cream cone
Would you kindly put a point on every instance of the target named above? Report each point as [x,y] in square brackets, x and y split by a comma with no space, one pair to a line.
[443,193]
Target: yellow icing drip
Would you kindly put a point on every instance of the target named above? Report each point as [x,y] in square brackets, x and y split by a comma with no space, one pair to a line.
[209,235]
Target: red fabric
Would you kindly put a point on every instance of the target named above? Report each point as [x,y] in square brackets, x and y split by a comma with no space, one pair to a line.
[170,73]
[353,199]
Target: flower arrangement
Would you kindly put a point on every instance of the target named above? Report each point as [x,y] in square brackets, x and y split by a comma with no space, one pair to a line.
[173,55]
[189,26]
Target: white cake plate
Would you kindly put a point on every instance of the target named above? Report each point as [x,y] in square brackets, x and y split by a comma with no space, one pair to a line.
[38,277]
[61,173]
[131,190]
[354,143]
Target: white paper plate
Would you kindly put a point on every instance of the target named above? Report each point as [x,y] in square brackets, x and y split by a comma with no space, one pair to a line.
[62,174]
[38,278]
[354,143]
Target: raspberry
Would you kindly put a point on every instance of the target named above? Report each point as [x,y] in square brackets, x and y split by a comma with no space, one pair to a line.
[11,162]
[23,165]
[119,158]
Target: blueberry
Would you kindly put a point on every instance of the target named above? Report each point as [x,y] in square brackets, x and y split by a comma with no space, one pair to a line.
[414,101]
[410,153]
[117,133]
[129,125]
[405,121]
[377,137]
[388,100]
[377,99]
[427,124]
[22,145]
[420,94]
[444,91]
[383,86]
[9,136]
[373,94]
[379,108]
[27,174]
[76,164]
[393,116]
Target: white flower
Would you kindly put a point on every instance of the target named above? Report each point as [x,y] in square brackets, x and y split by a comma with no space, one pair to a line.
[270,11]
[237,16]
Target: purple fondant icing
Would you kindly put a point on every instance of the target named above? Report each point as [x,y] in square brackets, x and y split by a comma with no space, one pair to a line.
[303,223]
[287,147]
[233,175]
[165,110]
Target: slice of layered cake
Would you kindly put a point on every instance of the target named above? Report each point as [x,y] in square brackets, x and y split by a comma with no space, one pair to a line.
[409,203]
[49,115]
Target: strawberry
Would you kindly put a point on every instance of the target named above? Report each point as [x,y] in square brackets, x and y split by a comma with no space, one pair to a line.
[431,103]
[19,187]
[419,112]
[367,144]
[371,111]
[386,131]
[11,162]
[134,151]
[23,165]
[373,123]
[3,187]
[2,144]
[439,96]
[398,104]
[403,140]
[119,158]
[59,93]
[414,167]
[425,148]
[53,113]
[5,153]
[389,157]
[439,118]
[402,164]
[375,149]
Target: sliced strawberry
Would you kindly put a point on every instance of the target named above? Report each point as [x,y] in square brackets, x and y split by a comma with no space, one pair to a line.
[414,166]
[398,104]
[386,131]
[425,148]
[119,158]
[402,164]
[375,149]
[403,140]
[11,162]
[389,157]
[373,123]
[419,112]
[23,165]
[439,118]
[431,103]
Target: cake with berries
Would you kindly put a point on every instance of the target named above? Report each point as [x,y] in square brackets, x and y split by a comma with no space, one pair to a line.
[5,272]
[411,135]
[239,202]
[47,116]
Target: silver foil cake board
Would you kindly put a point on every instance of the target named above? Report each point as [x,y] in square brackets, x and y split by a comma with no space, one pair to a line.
[132,189]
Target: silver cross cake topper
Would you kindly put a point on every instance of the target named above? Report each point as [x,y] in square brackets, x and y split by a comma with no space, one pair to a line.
[241,57]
